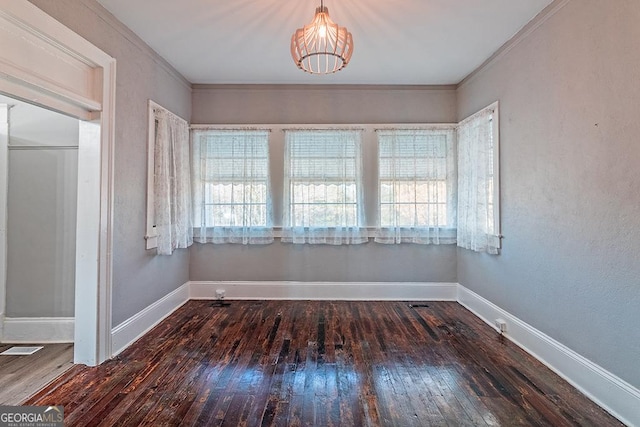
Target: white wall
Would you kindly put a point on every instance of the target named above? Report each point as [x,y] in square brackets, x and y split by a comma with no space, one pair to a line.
[41,217]
[570,179]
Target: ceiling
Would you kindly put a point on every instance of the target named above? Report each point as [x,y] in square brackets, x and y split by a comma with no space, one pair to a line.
[395,41]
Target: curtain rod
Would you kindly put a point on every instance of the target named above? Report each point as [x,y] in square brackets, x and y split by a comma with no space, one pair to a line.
[229,127]
[320,129]
[439,126]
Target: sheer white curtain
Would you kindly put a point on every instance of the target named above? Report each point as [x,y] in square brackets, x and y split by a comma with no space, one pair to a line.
[476,183]
[323,202]
[417,180]
[172,186]
[232,201]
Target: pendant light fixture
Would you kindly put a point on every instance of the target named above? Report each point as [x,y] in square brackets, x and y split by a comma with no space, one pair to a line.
[322,47]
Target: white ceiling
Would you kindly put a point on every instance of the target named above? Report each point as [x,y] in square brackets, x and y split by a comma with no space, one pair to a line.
[395,41]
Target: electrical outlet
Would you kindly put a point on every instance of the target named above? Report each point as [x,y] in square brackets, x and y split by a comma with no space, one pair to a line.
[220,293]
[501,324]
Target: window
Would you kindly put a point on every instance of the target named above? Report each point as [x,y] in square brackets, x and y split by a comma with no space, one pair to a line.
[151,235]
[231,186]
[323,187]
[478,190]
[416,185]
[168,182]
[422,183]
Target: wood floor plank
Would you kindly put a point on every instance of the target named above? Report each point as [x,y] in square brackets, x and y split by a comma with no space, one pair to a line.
[23,376]
[320,363]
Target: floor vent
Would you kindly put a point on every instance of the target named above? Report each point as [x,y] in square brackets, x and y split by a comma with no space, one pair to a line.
[20,351]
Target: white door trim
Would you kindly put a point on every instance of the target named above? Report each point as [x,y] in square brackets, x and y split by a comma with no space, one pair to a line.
[45,63]
[4,161]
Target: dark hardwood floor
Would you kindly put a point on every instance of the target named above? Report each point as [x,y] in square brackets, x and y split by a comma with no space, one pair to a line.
[294,363]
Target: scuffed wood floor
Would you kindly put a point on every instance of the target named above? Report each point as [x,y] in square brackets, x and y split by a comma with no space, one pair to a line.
[321,363]
[22,376]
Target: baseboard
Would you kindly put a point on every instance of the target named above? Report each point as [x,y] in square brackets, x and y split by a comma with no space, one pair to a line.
[139,324]
[615,395]
[363,291]
[37,330]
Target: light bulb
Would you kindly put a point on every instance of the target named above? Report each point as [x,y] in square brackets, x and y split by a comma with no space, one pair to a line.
[322,31]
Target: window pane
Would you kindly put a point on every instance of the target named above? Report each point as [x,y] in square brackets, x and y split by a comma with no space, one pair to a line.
[323,184]
[416,167]
[322,215]
[231,178]
[386,192]
[478,216]
[387,214]
[405,214]
[405,192]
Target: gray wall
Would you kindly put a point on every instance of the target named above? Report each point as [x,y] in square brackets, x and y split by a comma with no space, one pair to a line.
[570,163]
[322,105]
[41,216]
[139,276]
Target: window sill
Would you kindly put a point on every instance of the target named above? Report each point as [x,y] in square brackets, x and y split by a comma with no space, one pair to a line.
[372,232]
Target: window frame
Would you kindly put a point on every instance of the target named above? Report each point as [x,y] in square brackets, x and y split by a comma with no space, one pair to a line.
[360,213]
[449,230]
[496,237]
[268,226]
[495,127]
[370,167]
[369,153]
[151,235]
[495,120]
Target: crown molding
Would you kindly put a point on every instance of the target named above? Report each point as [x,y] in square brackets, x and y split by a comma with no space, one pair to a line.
[322,87]
[134,39]
[514,41]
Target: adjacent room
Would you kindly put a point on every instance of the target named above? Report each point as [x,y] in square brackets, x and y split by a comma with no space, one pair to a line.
[321,212]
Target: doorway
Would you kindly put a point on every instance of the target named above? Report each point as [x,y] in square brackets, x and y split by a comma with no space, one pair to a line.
[45,63]
[38,282]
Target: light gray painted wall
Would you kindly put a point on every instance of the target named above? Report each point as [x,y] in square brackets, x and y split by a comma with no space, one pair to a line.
[570,163]
[139,276]
[322,105]
[41,216]
[370,262]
